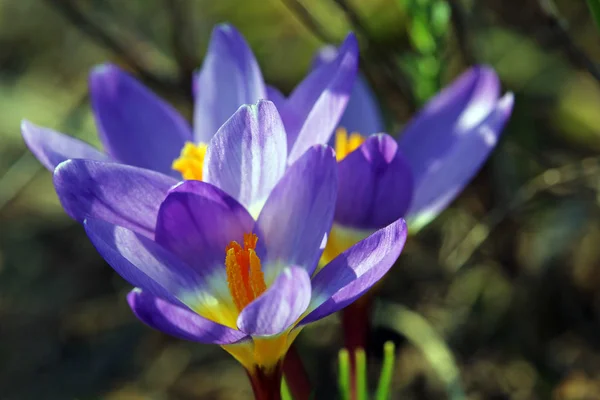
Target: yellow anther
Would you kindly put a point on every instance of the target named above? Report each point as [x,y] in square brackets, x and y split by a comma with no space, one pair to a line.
[191,161]
[244,274]
[345,144]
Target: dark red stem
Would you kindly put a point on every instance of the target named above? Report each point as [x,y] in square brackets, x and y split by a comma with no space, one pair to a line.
[356,326]
[266,383]
[296,376]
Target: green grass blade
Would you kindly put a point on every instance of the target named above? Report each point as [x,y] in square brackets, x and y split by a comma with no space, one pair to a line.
[387,369]
[344,374]
[422,335]
[285,391]
[594,6]
[361,375]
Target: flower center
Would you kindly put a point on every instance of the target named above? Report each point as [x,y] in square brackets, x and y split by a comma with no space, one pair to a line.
[191,161]
[244,274]
[346,144]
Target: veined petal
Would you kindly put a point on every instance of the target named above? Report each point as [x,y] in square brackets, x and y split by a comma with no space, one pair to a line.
[354,271]
[136,126]
[229,78]
[197,221]
[447,175]
[375,185]
[117,193]
[51,147]
[279,307]
[299,212]
[455,111]
[178,321]
[362,112]
[248,154]
[142,262]
[313,110]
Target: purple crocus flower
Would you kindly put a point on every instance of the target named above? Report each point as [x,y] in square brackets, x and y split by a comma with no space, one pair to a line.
[204,268]
[416,177]
[138,128]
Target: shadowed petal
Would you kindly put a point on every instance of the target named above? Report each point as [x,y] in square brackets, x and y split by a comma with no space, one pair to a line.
[362,113]
[142,262]
[299,212]
[313,110]
[248,154]
[275,95]
[449,174]
[375,185]
[117,193]
[136,126]
[452,113]
[180,322]
[279,307]
[229,78]
[51,147]
[197,221]
[354,271]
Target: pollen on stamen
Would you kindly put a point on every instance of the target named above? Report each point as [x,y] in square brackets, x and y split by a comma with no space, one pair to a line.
[346,144]
[191,161]
[244,274]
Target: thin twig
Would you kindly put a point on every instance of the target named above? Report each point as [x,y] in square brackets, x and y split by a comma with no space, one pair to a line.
[381,56]
[461,30]
[26,167]
[126,53]
[462,252]
[308,20]
[559,25]
[181,33]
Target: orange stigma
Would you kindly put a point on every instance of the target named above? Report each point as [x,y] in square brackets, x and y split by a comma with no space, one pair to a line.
[244,274]
[345,144]
[191,161]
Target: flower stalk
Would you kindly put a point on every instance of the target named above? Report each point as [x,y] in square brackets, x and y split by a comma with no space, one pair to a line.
[296,376]
[266,382]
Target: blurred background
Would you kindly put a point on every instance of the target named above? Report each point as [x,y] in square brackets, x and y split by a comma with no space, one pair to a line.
[498,298]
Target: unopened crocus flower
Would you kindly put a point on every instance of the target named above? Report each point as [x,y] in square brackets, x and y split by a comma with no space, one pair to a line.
[137,128]
[204,268]
[416,177]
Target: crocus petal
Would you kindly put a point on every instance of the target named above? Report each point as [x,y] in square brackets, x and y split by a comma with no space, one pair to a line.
[325,55]
[375,185]
[455,111]
[279,307]
[52,147]
[178,321]
[136,126]
[362,113]
[275,95]
[197,221]
[299,212]
[447,175]
[142,262]
[248,154]
[229,77]
[121,194]
[354,271]
[313,110]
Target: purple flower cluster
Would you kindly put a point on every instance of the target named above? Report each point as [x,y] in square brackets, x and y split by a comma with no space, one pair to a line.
[246,227]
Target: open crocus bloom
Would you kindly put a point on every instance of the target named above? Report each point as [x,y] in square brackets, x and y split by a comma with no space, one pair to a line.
[245,158]
[207,271]
[438,153]
[138,128]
